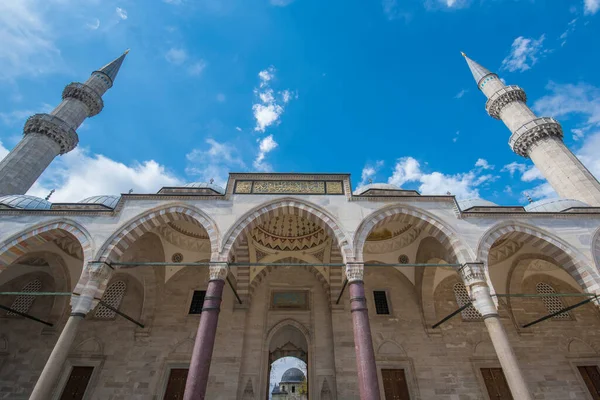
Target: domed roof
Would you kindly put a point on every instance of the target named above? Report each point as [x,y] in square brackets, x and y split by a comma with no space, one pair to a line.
[277,390]
[377,186]
[475,202]
[107,200]
[554,205]
[292,375]
[25,202]
[212,186]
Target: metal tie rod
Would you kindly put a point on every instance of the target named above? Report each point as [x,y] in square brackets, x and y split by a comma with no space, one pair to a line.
[450,316]
[537,321]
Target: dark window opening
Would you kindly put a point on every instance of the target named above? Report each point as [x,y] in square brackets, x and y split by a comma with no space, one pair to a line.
[176,384]
[77,383]
[197,302]
[293,389]
[381,303]
[591,377]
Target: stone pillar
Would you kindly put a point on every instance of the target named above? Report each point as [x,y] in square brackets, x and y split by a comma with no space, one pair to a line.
[473,276]
[197,380]
[92,283]
[363,343]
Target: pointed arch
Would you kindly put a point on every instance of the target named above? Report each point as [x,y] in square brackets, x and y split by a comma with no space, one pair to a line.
[21,243]
[116,245]
[596,248]
[300,208]
[561,252]
[421,219]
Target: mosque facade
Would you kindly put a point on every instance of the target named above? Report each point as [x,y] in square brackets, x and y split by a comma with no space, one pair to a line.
[194,291]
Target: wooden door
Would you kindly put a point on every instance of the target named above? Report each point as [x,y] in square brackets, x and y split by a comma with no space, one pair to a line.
[77,383]
[176,384]
[591,376]
[395,386]
[496,385]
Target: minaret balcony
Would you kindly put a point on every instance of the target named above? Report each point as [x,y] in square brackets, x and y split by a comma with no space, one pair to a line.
[528,134]
[86,95]
[55,128]
[502,97]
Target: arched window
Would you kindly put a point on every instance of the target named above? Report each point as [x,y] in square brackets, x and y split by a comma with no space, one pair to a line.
[552,303]
[462,298]
[23,302]
[113,297]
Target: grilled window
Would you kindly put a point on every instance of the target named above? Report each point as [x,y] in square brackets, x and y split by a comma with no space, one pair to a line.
[381,303]
[462,298]
[23,302]
[552,303]
[197,302]
[113,296]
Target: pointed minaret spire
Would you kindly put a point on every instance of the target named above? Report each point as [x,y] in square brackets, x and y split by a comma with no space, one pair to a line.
[46,136]
[540,139]
[112,68]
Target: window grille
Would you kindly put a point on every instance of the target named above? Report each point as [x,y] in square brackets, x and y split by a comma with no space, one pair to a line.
[113,296]
[381,303]
[552,303]
[197,302]
[23,303]
[462,298]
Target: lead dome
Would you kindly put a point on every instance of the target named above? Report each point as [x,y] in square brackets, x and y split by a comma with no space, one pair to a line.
[205,185]
[554,205]
[475,202]
[292,375]
[376,186]
[106,200]
[25,202]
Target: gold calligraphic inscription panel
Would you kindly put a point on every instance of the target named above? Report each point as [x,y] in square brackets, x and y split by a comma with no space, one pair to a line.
[289,299]
[289,187]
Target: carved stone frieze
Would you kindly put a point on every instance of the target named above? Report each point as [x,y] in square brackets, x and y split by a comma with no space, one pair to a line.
[183,241]
[55,128]
[70,246]
[503,250]
[527,135]
[502,97]
[393,244]
[86,95]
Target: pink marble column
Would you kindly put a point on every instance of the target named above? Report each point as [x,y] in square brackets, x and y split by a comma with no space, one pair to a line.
[363,344]
[197,380]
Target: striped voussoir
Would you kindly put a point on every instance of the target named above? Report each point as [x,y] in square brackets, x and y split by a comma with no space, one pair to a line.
[265,271]
[242,255]
[457,251]
[127,235]
[336,274]
[25,242]
[287,207]
[596,248]
[585,276]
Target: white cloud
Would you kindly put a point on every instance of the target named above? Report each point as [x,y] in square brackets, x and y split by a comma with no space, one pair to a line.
[266,145]
[368,173]
[122,13]
[578,134]
[3,151]
[570,29]
[392,11]
[95,24]
[267,110]
[514,167]
[78,175]
[482,163]
[462,185]
[196,68]
[460,94]
[446,4]
[237,128]
[531,174]
[214,163]
[589,153]
[591,6]
[18,117]
[455,138]
[524,53]
[565,99]
[176,56]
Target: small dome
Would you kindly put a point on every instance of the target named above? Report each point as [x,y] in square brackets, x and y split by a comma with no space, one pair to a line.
[292,375]
[107,200]
[200,185]
[554,205]
[376,186]
[25,202]
[475,202]
[276,390]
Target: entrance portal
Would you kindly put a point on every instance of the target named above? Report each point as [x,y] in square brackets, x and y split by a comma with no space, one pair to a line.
[288,365]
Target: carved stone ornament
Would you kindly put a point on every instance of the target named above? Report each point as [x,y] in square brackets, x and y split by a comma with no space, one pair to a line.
[472,273]
[55,128]
[183,241]
[218,271]
[355,272]
[502,97]
[98,270]
[394,243]
[527,135]
[86,95]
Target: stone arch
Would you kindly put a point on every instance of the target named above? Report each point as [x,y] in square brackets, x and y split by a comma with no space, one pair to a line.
[288,322]
[562,253]
[596,248]
[301,208]
[125,236]
[92,346]
[19,244]
[429,223]
[577,346]
[268,269]
[391,348]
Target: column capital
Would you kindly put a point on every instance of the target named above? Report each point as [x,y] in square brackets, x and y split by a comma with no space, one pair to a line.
[473,276]
[218,270]
[355,271]
[473,273]
[90,287]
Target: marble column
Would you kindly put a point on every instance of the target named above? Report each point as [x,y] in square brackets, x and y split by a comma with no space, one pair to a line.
[473,276]
[363,343]
[197,380]
[93,281]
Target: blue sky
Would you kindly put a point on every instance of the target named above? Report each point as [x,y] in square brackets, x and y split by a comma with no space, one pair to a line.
[375,88]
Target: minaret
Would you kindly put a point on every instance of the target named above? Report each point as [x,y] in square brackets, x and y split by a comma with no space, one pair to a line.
[537,138]
[47,135]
